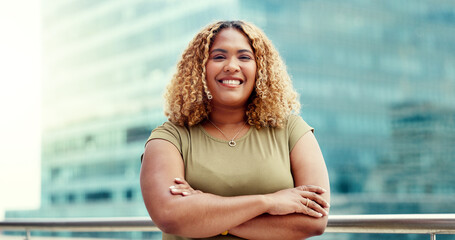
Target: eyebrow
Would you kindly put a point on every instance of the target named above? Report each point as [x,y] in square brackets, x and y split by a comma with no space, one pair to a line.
[225,51]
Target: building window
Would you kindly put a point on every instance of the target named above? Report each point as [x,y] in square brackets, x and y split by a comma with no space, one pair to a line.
[100,196]
[129,194]
[53,199]
[137,134]
[55,173]
[70,198]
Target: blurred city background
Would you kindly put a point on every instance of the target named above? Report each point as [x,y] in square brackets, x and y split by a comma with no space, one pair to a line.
[376,78]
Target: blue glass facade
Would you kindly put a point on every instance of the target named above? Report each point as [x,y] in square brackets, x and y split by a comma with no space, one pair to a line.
[376,78]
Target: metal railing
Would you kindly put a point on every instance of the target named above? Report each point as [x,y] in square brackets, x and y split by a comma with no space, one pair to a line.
[431,224]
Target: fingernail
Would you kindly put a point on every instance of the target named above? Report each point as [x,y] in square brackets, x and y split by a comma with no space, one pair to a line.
[185,193]
[172,187]
[178,179]
[320,214]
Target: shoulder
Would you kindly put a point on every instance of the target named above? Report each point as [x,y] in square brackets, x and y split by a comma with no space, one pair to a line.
[176,134]
[296,127]
[171,127]
[296,122]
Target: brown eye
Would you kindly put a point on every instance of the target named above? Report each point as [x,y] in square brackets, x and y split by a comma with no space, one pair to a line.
[245,57]
[218,57]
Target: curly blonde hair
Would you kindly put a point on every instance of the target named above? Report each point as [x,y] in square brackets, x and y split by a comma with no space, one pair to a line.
[271,102]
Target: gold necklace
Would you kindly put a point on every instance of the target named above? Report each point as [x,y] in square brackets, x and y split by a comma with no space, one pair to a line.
[231,143]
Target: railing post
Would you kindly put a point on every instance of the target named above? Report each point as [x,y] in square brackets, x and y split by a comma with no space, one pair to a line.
[27,234]
[433,236]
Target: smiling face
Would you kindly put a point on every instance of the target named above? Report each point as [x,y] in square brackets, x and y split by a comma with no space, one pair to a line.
[231,68]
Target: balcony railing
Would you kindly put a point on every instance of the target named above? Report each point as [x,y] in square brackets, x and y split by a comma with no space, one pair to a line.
[431,224]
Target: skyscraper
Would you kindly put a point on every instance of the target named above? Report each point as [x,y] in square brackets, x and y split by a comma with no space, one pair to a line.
[373,77]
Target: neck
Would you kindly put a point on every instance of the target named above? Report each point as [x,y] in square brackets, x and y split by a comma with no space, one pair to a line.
[224,116]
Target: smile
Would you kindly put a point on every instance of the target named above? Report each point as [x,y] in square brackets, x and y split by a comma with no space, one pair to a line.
[231,82]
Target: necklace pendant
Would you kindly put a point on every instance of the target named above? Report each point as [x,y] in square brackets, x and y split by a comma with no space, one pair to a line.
[231,143]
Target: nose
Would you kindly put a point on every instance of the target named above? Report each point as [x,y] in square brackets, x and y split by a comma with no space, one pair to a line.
[232,65]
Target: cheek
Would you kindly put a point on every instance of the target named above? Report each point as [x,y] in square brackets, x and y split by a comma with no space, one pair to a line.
[253,69]
[253,73]
[209,83]
[209,75]
[210,71]
[253,76]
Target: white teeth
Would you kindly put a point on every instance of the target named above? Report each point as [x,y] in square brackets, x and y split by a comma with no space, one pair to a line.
[231,82]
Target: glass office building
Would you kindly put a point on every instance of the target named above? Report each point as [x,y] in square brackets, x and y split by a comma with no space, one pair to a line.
[376,78]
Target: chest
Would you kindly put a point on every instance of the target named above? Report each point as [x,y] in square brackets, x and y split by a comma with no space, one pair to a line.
[258,164]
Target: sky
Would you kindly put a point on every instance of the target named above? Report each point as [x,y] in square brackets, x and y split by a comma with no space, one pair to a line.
[20,105]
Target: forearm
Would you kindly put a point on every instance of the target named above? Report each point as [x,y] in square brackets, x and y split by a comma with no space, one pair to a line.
[204,215]
[289,201]
[292,226]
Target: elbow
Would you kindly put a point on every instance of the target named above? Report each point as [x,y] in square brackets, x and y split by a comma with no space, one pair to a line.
[315,228]
[169,221]
[169,227]
[166,222]
[318,228]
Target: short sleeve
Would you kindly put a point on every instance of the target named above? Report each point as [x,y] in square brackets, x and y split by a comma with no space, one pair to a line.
[171,133]
[296,128]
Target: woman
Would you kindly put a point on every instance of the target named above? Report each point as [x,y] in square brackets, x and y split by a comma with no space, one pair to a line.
[232,162]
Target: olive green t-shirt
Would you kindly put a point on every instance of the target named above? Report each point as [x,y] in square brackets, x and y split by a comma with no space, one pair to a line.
[258,164]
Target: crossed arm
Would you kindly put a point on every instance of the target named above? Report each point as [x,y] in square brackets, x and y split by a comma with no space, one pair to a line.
[286,213]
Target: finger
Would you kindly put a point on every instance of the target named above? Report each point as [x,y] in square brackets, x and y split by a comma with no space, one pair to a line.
[306,206]
[312,188]
[174,190]
[183,192]
[316,198]
[182,186]
[312,213]
[316,207]
[180,181]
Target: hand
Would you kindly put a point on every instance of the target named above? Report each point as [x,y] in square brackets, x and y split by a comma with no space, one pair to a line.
[182,188]
[302,199]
